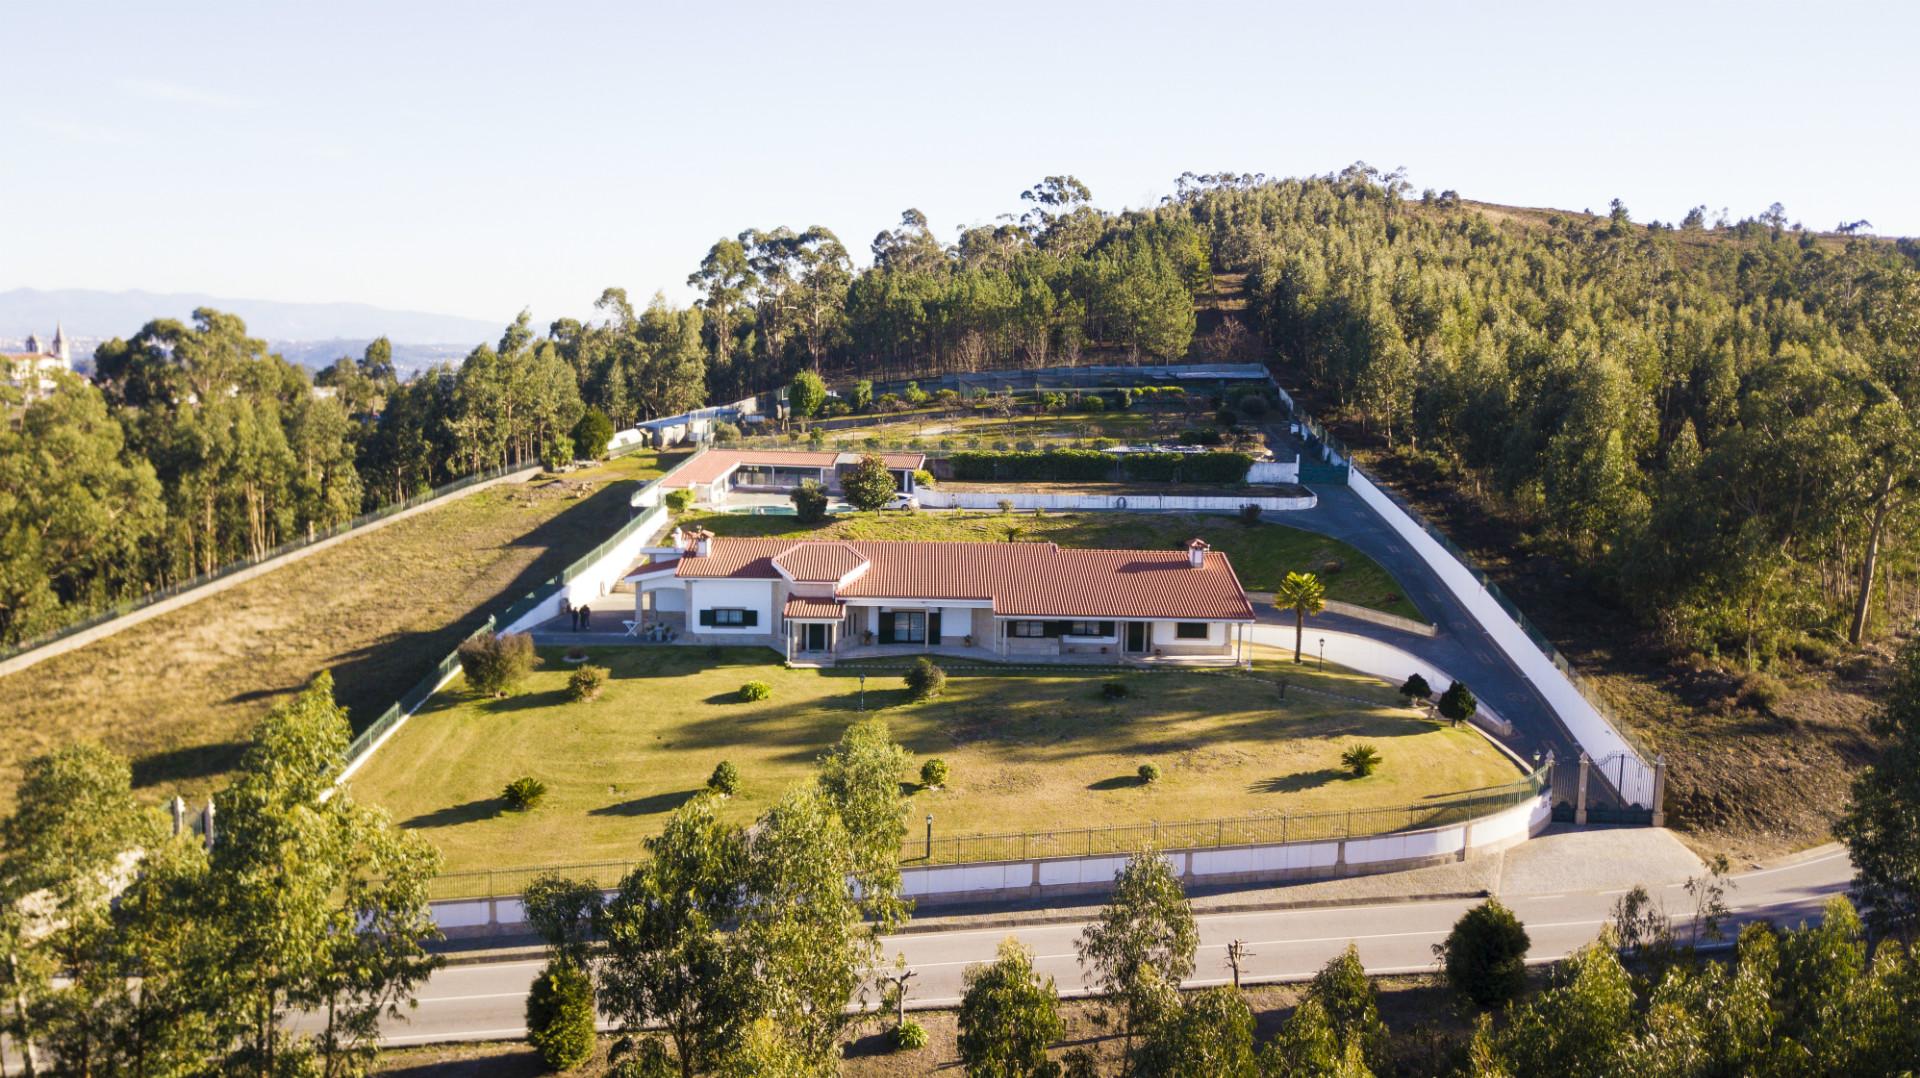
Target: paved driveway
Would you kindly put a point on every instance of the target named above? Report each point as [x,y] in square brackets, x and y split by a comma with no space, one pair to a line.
[1462,648]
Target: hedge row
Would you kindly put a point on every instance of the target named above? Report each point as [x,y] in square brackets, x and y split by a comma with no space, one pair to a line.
[1093,466]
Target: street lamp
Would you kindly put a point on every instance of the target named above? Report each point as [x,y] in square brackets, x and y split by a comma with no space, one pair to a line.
[1323,653]
[929,836]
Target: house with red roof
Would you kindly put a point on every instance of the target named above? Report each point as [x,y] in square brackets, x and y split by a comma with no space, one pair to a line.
[714,474]
[819,600]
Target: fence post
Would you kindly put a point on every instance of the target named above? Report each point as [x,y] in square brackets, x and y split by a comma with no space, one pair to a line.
[1660,790]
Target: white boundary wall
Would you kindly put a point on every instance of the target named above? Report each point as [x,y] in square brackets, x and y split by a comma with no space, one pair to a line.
[1274,472]
[1596,736]
[987,499]
[937,885]
[599,578]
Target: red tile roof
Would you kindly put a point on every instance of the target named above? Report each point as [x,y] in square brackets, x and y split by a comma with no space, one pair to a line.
[715,463]
[814,608]
[819,563]
[1038,580]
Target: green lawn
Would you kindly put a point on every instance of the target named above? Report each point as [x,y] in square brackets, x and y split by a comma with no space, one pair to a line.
[1262,553]
[1028,751]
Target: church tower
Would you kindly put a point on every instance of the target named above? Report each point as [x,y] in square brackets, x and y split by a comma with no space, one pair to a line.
[60,347]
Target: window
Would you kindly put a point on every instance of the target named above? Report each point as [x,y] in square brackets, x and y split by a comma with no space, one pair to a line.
[909,628]
[1033,629]
[729,617]
[1190,630]
[1090,628]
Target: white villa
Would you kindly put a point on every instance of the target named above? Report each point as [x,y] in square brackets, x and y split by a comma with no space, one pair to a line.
[821,600]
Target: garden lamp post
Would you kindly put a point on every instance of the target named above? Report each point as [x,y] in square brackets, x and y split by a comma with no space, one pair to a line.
[929,836]
[1323,653]
[863,692]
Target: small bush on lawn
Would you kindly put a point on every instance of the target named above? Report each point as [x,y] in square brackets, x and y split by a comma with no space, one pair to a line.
[1149,774]
[755,690]
[1486,955]
[1114,690]
[909,1036]
[1249,514]
[678,501]
[523,793]
[560,1016]
[1361,760]
[725,779]
[587,683]
[925,680]
[1458,703]
[495,663]
[933,772]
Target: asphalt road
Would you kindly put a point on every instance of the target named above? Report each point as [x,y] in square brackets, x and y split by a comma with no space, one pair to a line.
[487,1002]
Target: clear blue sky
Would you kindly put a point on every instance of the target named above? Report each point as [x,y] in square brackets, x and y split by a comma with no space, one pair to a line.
[476,158]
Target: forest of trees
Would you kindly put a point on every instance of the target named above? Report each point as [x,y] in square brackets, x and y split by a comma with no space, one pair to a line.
[1716,423]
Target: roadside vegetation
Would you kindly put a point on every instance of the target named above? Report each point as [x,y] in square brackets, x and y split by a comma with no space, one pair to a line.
[1023,752]
[1263,553]
[178,693]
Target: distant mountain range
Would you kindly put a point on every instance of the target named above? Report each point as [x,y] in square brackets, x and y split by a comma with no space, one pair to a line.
[310,333]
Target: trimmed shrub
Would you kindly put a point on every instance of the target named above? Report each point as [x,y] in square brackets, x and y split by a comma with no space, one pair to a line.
[925,680]
[922,477]
[909,1036]
[1361,760]
[810,502]
[1149,773]
[678,500]
[1200,436]
[725,779]
[1457,703]
[755,690]
[587,682]
[560,1016]
[496,663]
[933,772]
[1114,690]
[523,793]
[1250,514]
[835,407]
[869,485]
[1416,689]
[1485,955]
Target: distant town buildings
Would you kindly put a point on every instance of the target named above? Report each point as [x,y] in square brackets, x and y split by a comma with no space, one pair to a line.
[32,371]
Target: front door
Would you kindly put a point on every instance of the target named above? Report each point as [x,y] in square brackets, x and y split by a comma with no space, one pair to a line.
[816,638]
[1136,637]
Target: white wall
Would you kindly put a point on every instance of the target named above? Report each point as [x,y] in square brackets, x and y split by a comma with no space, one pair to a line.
[988,881]
[1274,472]
[1595,735]
[755,595]
[599,578]
[986,499]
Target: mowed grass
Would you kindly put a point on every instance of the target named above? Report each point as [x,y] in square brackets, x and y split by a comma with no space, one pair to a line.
[1028,752]
[1262,554]
[179,694]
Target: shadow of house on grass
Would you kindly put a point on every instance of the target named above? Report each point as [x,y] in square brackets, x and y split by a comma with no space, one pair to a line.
[650,805]
[1119,782]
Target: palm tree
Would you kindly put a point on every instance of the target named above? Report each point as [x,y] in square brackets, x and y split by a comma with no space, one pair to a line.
[1303,594]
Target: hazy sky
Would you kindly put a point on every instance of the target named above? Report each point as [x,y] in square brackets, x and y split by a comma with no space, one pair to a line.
[477,158]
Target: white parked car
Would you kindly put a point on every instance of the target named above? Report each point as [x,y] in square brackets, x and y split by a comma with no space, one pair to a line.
[902,501]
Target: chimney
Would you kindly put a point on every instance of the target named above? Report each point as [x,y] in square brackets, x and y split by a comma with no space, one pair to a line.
[702,543]
[1197,552]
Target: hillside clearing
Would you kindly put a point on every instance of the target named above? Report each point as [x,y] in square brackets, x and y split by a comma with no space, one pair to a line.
[178,694]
